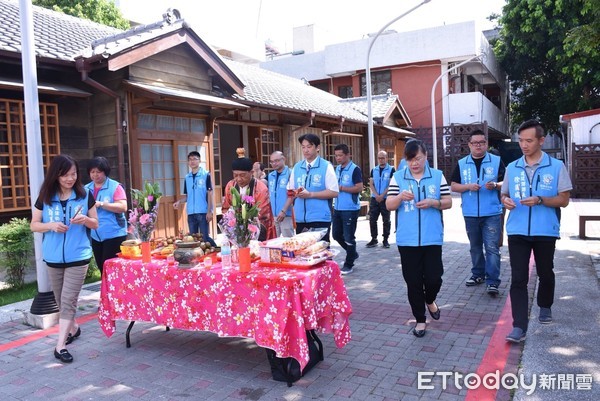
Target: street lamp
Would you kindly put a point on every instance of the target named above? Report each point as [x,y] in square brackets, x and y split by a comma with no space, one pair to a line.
[433,128]
[368,73]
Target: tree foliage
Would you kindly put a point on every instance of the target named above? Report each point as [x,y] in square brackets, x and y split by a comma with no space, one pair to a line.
[550,50]
[102,11]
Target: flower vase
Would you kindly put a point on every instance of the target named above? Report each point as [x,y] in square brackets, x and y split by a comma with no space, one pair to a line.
[146,256]
[244,258]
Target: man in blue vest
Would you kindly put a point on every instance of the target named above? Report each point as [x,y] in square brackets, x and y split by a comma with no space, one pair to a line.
[535,187]
[379,184]
[197,192]
[478,178]
[347,205]
[278,180]
[312,186]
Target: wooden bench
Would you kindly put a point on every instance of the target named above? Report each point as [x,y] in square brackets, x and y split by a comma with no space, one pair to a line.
[582,221]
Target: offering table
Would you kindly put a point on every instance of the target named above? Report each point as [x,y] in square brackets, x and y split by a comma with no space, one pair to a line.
[273,306]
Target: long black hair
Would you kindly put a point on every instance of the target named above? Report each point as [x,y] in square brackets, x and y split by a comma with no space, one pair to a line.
[59,167]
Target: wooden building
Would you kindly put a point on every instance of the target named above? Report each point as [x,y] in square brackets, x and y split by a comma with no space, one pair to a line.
[146,97]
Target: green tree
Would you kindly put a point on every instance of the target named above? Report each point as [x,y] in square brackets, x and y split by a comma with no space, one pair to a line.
[102,11]
[550,50]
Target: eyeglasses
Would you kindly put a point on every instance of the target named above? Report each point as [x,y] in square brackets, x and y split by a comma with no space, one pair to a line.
[416,159]
[193,159]
[478,143]
[275,161]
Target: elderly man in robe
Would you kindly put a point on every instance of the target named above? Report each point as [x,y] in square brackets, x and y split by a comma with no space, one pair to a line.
[246,184]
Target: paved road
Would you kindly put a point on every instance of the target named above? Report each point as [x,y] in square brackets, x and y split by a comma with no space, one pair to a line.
[382,362]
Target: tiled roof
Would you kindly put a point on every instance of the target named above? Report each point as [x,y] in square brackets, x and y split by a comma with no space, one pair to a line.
[63,37]
[273,89]
[57,35]
[380,104]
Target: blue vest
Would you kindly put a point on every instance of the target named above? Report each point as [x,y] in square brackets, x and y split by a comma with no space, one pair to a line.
[381,179]
[419,227]
[73,245]
[110,225]
[540,219]
[484,202]
[278,190]
[346,200]
[197,200]
[311,210]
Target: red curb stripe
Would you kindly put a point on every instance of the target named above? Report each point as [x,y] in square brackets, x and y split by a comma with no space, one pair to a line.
[496,353]
[42,333]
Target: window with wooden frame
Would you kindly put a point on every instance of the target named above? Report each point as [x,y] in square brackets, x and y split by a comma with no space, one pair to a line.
[270,142]
[354,142]
[13,150]
[388,143]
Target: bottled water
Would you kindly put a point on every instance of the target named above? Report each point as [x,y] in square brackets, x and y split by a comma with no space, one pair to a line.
[225,254]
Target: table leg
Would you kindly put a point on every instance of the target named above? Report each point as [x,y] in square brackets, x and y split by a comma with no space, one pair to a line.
[127,341]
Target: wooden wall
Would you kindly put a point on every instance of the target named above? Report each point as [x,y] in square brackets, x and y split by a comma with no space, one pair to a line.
[176,67]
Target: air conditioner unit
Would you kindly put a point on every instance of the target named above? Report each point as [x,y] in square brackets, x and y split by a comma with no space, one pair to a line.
[453,73]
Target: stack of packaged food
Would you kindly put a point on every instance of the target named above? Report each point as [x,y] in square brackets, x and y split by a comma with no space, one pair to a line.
[304,249]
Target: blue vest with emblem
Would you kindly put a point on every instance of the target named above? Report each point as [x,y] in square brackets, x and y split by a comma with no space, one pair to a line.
[419,227]
[484,202]
[73,245]
[197,200]
[539,220]
[381,178]
[311,210]
[278,190]
[346,200]
[110,225]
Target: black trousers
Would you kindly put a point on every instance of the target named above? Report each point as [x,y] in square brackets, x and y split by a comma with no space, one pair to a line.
[376,209]
[106,249]
[520,248]
[422,270]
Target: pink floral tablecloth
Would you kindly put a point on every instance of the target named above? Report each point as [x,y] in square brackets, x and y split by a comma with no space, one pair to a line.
[271,305]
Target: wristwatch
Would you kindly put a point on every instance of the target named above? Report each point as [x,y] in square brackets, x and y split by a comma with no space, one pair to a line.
[540,200]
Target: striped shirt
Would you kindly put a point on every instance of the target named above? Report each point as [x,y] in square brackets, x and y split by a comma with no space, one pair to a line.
[394,190]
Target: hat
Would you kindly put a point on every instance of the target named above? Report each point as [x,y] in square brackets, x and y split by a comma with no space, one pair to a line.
[242,163]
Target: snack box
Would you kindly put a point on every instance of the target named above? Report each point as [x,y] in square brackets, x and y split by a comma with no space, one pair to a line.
[271,250]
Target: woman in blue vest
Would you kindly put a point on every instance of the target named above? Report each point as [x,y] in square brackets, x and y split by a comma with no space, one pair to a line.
[65,212]
[111,204]
[419,193]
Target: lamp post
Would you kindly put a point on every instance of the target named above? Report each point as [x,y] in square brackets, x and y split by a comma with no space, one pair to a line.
[368,74]
[433,123]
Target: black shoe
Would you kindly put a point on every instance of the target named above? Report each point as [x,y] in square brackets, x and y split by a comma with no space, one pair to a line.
[72,337]
[63,355]
[346,270]
[434,315]
[386,244]
[418,333]
[372,244]
[492,289]
[474,280]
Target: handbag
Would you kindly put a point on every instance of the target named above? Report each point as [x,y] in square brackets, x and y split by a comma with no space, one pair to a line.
[288,369]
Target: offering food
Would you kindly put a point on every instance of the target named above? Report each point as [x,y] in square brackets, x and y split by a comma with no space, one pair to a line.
[302,240]
[131,248]
[313,249]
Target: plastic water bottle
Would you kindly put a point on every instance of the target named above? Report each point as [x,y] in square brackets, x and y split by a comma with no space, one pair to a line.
[225,254]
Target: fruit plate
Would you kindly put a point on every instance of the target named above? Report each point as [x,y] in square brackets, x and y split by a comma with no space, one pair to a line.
[128,256]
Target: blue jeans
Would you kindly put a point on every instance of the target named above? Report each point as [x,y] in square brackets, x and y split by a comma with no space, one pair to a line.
[484,232]
[198,224]
[343,230]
